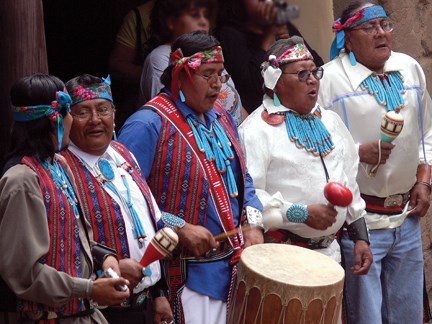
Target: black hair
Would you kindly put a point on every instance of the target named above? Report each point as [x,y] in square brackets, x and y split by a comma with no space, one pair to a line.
[82,80]
[353,8]
[33,138]
[158,29]
[190,43]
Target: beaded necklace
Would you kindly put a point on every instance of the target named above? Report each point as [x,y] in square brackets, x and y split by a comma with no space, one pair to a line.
[308,132]
[387,89]
[106,177]
[217,147]
[62,182]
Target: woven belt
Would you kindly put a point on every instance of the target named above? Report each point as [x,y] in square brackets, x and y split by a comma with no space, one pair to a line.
[48,315]
[391,205]
[287,237]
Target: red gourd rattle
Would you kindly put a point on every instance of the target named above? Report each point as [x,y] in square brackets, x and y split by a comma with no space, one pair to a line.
[162,244]
[337,194]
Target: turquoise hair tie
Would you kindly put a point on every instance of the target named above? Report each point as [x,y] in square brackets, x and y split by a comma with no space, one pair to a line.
[338,43]
[107,80]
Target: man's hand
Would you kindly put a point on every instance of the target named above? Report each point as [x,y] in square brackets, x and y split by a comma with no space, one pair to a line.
[321,216]
[132,271]
[369,152]
[197,239]
[253,235]
[162,311]
[104,291]
[363,258]
[263,12]
[420,200]
[111,262]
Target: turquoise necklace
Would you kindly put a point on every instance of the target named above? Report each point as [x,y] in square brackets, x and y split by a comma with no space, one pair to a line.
[387,89]
[217,147]
[308,132]
[62,182]
[108,175]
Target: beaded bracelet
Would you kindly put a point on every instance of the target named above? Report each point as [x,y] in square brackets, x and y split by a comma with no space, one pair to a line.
[297,213]
[172,221]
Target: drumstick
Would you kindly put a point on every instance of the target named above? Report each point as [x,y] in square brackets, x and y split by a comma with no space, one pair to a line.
[220,237]
[224,235]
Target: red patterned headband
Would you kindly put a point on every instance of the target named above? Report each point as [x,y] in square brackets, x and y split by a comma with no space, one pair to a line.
[297,52]
[193,62]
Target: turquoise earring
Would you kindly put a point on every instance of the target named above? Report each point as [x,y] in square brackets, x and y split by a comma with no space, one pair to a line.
[276,99]
[182,97]
[352,58]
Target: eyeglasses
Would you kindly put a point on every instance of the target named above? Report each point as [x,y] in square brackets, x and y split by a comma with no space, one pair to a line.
[372,29]
[304,75]
[213,78]
[101,112]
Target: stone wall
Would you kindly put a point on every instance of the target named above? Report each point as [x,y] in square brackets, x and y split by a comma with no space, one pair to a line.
[413,32]
[413,36]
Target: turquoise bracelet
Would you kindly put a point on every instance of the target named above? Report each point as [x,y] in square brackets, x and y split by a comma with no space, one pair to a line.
[173,222]
[297,213]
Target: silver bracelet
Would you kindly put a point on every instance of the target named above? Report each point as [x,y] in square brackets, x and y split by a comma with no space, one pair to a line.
[254,217]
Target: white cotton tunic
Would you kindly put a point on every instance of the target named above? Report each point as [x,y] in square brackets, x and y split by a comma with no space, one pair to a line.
[340,92]
[284,174]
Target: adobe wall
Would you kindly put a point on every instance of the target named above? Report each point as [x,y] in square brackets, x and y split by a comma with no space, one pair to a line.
[314,23]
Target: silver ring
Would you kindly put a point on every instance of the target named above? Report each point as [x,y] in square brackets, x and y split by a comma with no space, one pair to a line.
[209,254]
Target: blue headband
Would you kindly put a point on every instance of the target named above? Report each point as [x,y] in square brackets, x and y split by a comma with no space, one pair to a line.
[93,91]
[360,17]
[52,111]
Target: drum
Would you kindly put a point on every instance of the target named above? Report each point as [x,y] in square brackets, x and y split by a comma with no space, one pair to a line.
[280,283]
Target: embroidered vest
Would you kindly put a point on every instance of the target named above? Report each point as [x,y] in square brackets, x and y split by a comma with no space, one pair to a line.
[180,183]
[63,227]
[99,208]
[177,181]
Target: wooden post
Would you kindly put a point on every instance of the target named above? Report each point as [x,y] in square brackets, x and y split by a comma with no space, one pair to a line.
[22,52]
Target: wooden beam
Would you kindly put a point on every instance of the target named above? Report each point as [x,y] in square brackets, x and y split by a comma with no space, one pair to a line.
[22,52]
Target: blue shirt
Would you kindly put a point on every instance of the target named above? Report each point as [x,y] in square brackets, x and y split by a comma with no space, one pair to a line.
[140,134]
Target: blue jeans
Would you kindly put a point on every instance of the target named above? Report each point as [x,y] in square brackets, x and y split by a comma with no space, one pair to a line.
[392,291]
